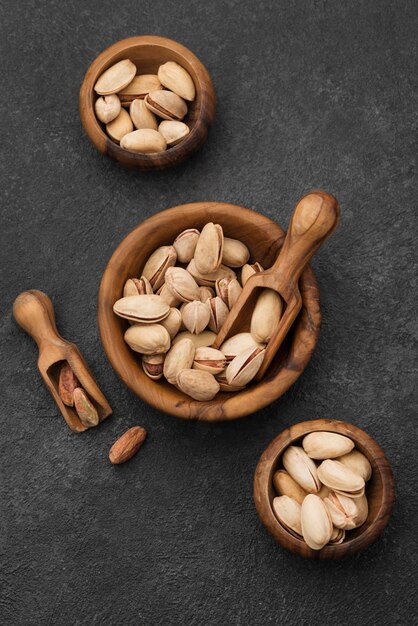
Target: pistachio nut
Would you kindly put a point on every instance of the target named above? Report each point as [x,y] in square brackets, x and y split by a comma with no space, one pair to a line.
[244,366]
[358,463]
[266,315]
[208,252]
[218,312]
[85,408]
[229,290]
[209,280]
[205,293]
[235,253]
[148,339]
[317,527]
[157,265]
[338,536]
[249,270]
[285,485]
[179,357]
[166,104]
[173,132]
[146,309]
[237,344]
[174,77]
[197,384]
[195,316]
[167,296]
[209,360]
[181,284]
[107,108]
[146,141]
[204,339]
[141,116]
[301,468]
[115,78]
[326,445]
[137,287]
[185,244]
[152,364]
[138,88]
[288,512]
[341,478]
[343,510]
[172,322]
[224,386]
[120,126]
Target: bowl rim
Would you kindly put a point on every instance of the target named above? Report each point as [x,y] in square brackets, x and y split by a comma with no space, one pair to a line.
[263,479]
[175,154]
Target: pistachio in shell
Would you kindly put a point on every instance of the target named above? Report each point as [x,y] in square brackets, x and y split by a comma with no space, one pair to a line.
[301,468]
[205,293]
[235,253]
[197,384]
[288,512]
[107,108]
[209,360]
[203,339]
[250,269]
[326,445]
[120,126]
[228,289]
[341,478]
[174,77]
[185,244]
[218,312]
[358,463]
[137,287]
[225,386]
[152,364]
[138,88]
[266,315]
[146,309]
[285,485]
[208,253]
[237,344]
[148,339]
[173,131]
[172,322]
[317,527]
[144,141]
[179,357]
[196,316]
[157,265]
[141,116]
[209,280]
[166,104]
[242,369]
[182,284]
[167,296]
[115,78]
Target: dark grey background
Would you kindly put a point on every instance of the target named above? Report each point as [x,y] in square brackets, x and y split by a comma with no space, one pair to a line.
[310,94]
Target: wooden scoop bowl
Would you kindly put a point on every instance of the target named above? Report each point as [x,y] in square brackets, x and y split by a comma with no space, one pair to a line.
[314,218]
[34,312]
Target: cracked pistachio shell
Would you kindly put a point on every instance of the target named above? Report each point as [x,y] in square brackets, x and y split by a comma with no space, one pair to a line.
[166,104]
[144,141]
[206,293]
[185,244]
[141,116]
[358,463]
[224,386]
[148,339]
[138,88]
[172,322]
[208,253]
[197,384]
[152,364]
[204,339]
[167,296]
[146,309]
[195,316]
[285,485]
[120,126]
[242,369]
[218,312]
[249,270]
[182,284]
[107,108]
[209,280]
[179,357]
[115,78]
[237,344]
[339,477]
[157,265]
[338,536]
[174,77]
[288,512]
[301,468]
[229,290]
[137,287]
[343,510]
[209,360]
[235,253]
[326,445]
[266,315]
[173,132]
[317,527]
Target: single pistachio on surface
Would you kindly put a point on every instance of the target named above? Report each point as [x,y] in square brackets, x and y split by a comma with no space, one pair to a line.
[167,296]
[266,315]
[301,468]
[148,339]
[179,357]
[146,309]
[172,322]
[146,141]
[341,478]
[343,510]
[358,463]
[127,445]
[115,78]
[229,290]
[204,339]
[285,485]
[208,252]
[141,116]
[157,265]
[120,126]
[288,512]
[209,280]
[195,316]
[209,360]
[138,88]
[107,108]
[237,344]
[325,445]
[174,77]
[185,244]
[166,104]
[235,253]
[338,536]
[86,410]
[137,287]
[173,132]
[152,364]
[205,293]
[218,313]
[67,382]
[182,284]
[245,366]
[225,386]
[317,527]
[249,270]
[197,384]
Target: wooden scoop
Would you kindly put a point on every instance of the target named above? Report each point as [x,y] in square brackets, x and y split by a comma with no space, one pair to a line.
[314,218]
[34,312]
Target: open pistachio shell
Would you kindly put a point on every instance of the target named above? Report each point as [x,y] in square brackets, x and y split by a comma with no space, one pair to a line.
[166,104]
[343,510]
[146,309]
[237,344]
[138,88]
[228,289]
[115,78]
[242,369]
[249,270]
[157,265]
[173,76]
[137,287]
[288,512]
[317,527]
[218,312]
[301,468]
[152,364]
[209,360]
[181,284]
[185,245]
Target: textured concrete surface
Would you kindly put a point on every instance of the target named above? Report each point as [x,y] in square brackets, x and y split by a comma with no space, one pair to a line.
[311,93]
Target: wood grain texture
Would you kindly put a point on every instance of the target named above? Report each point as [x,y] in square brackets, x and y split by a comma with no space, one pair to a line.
[379,490]
[148,53]
[34,312]
[264,239]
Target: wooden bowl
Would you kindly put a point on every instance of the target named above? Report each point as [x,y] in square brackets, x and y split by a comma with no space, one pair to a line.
[264,239]
[148,53]
[379,490]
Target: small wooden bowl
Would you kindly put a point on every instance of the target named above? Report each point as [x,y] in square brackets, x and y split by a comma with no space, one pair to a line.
[148,53]
[379,490]
[264,238]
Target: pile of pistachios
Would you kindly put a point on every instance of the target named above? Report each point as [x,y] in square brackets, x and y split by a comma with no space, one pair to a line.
[176,312]
[322,489]
[147,97]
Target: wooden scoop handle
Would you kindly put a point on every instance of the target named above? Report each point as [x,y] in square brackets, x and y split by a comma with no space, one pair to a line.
[34,312]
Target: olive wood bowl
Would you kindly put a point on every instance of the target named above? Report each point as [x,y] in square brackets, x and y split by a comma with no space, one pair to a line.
[148,53]
[379,490]
[264,239]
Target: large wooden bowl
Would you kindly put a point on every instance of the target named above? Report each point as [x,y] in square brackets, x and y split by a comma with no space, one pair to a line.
[148,53]
[379,490]
[264,239]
